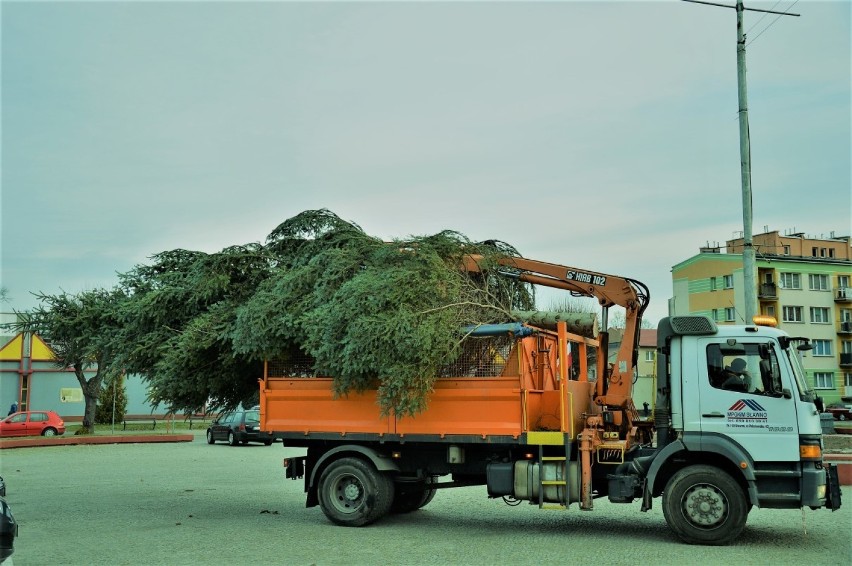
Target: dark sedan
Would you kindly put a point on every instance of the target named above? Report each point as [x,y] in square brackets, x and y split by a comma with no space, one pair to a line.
[8,530]
[238,427]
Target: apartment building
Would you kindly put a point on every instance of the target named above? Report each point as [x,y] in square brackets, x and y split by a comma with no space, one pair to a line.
[805,282]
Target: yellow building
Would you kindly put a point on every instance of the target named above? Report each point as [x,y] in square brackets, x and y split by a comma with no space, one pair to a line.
[804,282]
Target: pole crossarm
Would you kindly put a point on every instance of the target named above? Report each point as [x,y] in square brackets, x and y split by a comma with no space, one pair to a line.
[744,8]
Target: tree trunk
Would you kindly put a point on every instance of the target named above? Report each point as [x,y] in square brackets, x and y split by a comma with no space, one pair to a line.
[91,392]
[89,414]
[582,323]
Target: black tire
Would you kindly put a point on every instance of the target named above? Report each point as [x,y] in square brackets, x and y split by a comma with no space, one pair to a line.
[430,495]
[232,438]
[842,417]
[49,431]
[408,498]
[352,493]
[411,496]
[704,505]
[210,439]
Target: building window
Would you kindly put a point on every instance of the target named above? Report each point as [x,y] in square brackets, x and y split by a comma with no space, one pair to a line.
[818,282]
[843,281]
[831,252]
[730,314]
[729,281]
[845,315]
[814,251]
[846,347]
[821,347]
[819,315]
[769,310]
[824,380]
[649,355]
[786,250]
[714,314]
[791,281]
[712,283]
[792,314]
[847,379]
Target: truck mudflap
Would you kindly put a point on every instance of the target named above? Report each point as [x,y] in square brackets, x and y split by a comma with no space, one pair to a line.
[832,487]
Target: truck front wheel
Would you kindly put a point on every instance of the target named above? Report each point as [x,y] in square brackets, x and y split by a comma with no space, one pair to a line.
[352,493]
[704,505]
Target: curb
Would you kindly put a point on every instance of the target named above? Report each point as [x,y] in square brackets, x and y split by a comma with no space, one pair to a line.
[31,442]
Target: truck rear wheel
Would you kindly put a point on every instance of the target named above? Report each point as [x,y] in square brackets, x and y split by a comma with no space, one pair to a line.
[704,505]
[411,496]
[352,493]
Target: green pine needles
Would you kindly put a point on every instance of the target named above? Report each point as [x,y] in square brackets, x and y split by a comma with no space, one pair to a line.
[366,312]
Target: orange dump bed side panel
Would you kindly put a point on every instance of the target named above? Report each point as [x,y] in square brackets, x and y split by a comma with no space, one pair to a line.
[478,406]
[469,405]
[308,405]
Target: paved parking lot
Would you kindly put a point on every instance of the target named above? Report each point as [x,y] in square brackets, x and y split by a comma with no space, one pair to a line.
[190,503]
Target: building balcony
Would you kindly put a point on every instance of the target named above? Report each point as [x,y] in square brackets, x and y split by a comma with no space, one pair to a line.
[846,391]
[845,327]
[767,291]
[843,295]
[846,360]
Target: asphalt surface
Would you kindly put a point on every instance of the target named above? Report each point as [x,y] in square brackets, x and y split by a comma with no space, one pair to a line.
[191,503]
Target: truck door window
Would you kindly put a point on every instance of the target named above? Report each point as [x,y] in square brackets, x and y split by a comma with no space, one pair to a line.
[744,368]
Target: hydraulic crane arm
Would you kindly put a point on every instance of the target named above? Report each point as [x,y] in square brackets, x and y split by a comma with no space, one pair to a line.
[609,290]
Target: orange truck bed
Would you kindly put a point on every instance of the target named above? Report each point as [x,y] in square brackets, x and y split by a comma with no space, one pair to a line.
[531,394]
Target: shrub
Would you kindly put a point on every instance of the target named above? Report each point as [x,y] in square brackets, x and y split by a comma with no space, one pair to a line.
[104,412]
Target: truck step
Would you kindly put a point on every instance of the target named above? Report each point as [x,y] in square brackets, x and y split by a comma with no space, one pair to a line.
[553,482]
[778,497]
[778,473]
[553,458]
[553,506]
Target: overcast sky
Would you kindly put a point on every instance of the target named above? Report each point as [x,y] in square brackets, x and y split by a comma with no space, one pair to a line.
[601,135]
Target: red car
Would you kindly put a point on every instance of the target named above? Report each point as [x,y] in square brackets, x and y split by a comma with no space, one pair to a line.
[31,423]
[840,411]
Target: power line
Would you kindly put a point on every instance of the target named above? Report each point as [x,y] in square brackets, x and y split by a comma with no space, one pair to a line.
[760,19]
[772,22]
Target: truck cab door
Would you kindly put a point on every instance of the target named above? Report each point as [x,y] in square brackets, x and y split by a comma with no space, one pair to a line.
[741,398]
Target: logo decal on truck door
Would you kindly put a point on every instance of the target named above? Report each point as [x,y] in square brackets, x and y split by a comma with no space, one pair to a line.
[747,413]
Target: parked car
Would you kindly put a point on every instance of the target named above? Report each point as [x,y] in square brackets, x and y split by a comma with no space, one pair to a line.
[8,530]
[31,423]
[238,427]
[840,411]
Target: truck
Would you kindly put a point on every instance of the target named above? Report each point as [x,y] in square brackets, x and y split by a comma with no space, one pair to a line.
[540,414]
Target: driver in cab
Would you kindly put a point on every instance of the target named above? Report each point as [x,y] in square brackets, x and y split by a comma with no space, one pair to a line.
[736,377]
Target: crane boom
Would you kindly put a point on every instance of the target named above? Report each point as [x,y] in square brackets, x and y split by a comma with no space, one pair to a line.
[609,290]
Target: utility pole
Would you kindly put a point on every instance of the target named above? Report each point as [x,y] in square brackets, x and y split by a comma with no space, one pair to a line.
[749,255]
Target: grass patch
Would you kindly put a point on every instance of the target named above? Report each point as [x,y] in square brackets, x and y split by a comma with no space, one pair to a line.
[163,426]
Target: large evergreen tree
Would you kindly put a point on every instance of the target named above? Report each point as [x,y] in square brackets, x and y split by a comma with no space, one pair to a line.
[82,332]
[367,312]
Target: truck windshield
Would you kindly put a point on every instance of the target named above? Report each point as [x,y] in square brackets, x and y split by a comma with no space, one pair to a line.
[792,352]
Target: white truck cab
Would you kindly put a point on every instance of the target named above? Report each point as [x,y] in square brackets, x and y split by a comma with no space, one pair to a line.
[737,427]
